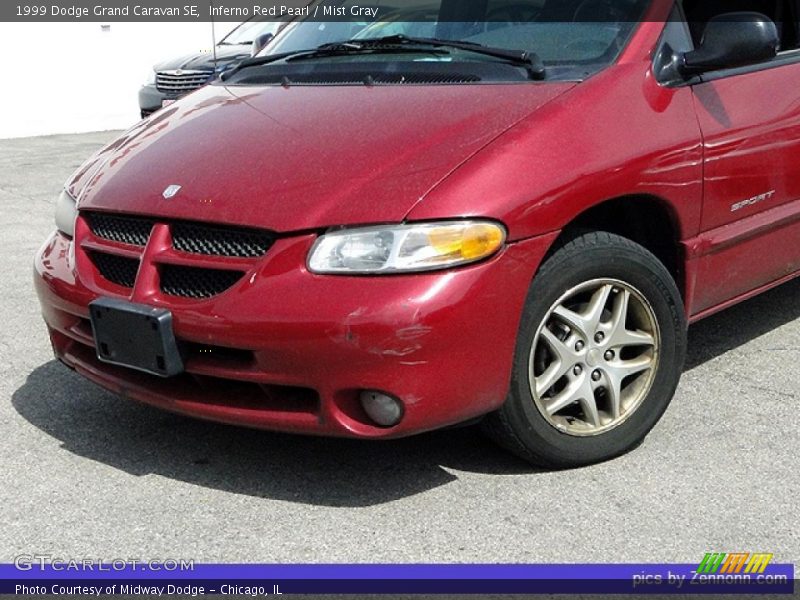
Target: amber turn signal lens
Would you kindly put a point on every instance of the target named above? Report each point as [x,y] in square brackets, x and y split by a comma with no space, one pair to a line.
[470,242]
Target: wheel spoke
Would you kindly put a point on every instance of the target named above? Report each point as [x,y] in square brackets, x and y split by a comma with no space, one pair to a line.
[626,368]
[580,390]
[565,358]
[561,400]
[619,313]
[550,377]
[624,338]
[613,389]
[589,404]
[575,321]
[620,336]
[561,349]
[588,322]
[597,305]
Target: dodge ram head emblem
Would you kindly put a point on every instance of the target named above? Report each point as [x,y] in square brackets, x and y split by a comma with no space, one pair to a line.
[171,192]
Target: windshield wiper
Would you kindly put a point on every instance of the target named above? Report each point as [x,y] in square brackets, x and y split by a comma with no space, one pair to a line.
[530,60]
[338,49]
[398,43]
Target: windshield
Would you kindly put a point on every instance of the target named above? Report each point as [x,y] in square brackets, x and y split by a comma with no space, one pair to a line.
[247,32]
[572,38]
[305,35]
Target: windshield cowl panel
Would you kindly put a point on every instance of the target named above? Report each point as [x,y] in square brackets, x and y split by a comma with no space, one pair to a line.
[380,71]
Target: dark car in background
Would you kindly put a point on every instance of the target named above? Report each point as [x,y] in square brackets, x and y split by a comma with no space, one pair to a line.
[172,79]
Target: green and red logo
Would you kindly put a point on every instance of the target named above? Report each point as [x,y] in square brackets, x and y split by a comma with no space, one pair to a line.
[733,563]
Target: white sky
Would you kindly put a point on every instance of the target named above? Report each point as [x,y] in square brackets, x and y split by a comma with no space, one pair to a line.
[74,77]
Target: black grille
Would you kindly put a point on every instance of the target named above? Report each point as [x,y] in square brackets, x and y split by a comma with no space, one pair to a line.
[117,269]
[192,282]
[128,230]
[199,238]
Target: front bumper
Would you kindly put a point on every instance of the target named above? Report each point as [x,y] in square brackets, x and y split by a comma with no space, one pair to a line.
[288,350]
[151,99]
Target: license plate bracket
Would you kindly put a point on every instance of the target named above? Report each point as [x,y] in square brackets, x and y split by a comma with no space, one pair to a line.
[135,336]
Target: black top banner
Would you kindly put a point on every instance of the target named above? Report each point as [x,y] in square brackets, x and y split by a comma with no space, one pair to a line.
[161,11]
[324,10]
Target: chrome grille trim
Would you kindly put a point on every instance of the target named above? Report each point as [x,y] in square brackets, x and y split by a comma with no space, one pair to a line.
[180,81]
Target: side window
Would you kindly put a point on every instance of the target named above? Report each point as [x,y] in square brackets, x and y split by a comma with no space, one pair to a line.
[782,12]
[677,33]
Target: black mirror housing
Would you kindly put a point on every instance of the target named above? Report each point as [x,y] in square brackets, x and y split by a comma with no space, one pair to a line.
[733,40]
[260,43]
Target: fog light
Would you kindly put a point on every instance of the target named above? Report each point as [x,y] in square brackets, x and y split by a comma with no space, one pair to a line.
[384,410]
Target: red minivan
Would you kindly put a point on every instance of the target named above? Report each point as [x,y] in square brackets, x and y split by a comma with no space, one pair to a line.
[512,220]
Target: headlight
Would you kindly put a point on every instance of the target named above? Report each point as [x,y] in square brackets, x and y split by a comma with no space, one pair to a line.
[66,213]
[405,248]
[150,78]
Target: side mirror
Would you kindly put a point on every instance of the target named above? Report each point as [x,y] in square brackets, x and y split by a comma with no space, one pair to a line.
[260,43]
[733,40]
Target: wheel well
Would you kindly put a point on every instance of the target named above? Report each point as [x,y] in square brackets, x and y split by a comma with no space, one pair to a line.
[642,219]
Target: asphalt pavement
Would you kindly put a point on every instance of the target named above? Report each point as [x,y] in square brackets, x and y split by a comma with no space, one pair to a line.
[86,474]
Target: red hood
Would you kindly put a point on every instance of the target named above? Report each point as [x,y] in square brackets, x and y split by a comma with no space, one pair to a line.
[297,158]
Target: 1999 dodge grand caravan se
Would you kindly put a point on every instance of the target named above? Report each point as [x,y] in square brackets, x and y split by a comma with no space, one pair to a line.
[514,219]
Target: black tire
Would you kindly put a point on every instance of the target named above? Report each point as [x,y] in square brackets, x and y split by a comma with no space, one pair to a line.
[519,425]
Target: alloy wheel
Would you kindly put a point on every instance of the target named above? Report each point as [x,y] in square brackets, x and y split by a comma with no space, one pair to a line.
[594,357]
